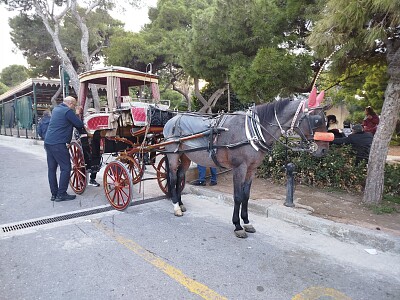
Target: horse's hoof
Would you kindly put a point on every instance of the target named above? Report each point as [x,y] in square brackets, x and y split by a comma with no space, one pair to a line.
[241,234]
[178,213]
[249,228]
[183,208]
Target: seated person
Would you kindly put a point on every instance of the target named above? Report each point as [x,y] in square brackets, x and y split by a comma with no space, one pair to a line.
[371,120]
[332,126]
[360,142]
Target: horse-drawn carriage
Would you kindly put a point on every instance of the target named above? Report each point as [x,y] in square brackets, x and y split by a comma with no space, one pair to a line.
[127,128]
[138,132]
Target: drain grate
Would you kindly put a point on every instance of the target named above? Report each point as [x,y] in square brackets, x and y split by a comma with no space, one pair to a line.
[72,215]
[55,219]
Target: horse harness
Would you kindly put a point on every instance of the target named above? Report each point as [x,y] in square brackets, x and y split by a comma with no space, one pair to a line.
[212,133]
[253,128]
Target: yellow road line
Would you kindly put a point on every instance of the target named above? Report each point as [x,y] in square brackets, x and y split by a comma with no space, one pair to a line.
[316,292]
[192,285]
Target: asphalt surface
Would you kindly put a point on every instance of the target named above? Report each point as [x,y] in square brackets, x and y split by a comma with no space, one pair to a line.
[267,207]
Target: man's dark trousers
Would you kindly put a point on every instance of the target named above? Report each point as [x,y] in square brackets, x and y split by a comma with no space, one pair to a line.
[58,155]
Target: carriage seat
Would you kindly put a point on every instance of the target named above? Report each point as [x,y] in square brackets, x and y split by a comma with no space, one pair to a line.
[97,121]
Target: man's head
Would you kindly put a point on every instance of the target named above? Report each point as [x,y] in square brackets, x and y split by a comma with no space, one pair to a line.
[357,128]
[70,102]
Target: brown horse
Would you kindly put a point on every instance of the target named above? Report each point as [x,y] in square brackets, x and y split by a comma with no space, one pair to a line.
[239,141]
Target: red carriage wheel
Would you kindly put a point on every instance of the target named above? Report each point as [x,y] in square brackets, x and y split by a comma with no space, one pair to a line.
[118,186]
[78,178]
[136,169]
[162,176]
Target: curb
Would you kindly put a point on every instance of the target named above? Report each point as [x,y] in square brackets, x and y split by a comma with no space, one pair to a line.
[300,216]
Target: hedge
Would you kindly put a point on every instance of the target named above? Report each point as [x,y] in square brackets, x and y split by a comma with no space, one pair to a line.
[337,169]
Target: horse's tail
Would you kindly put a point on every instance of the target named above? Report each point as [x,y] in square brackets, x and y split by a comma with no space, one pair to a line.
[169,188]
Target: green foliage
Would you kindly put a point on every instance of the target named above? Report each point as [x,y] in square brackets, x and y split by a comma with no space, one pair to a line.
[13,75]
[31,37]
[3,88]
[127,49]
[272,72]
[392,180]
[366,80]
[335,170]
[382,209]
[178,102]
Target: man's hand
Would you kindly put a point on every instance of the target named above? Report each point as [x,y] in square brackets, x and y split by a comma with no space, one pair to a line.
[78,110]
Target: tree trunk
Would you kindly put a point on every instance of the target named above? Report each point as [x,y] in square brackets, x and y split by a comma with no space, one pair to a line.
[197,92]
[390,114]
[376,165]
[208,105]
[56,40]
[85,46]
[185,95]
[55,96]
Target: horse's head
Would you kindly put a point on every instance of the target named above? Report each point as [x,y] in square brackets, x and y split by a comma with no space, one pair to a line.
[312,125]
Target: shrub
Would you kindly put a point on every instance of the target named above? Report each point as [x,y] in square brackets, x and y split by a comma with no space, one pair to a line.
[392,180]
[335,170]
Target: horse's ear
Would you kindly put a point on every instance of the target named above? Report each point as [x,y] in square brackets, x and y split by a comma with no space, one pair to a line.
[320,98]
[312,99]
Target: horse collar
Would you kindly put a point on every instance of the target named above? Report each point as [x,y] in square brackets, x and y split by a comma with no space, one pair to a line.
[254,132]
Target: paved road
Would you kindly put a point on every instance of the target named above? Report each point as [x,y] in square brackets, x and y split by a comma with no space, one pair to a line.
[147,253]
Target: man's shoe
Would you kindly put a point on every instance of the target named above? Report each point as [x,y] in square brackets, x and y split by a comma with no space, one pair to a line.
[93,182]
[198,182]
[213,183]
[53,197]
[65,197]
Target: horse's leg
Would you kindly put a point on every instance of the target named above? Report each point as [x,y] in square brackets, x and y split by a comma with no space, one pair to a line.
[238,195]
[173,163]
[244,212]
[183,167]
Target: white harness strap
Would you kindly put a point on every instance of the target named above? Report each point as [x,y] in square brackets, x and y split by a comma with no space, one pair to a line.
[254,132]
[285,133]
[249,137]
[301,106]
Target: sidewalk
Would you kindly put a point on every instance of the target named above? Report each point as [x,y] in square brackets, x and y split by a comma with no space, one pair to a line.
[271,207]
[300,216]
[337,214]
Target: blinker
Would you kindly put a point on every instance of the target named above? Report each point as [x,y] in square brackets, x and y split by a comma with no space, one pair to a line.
[315,121]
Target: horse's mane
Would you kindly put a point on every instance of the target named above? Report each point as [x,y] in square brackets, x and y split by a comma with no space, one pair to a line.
[266,112]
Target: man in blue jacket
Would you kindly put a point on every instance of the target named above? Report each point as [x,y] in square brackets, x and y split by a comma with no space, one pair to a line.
[59,134]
